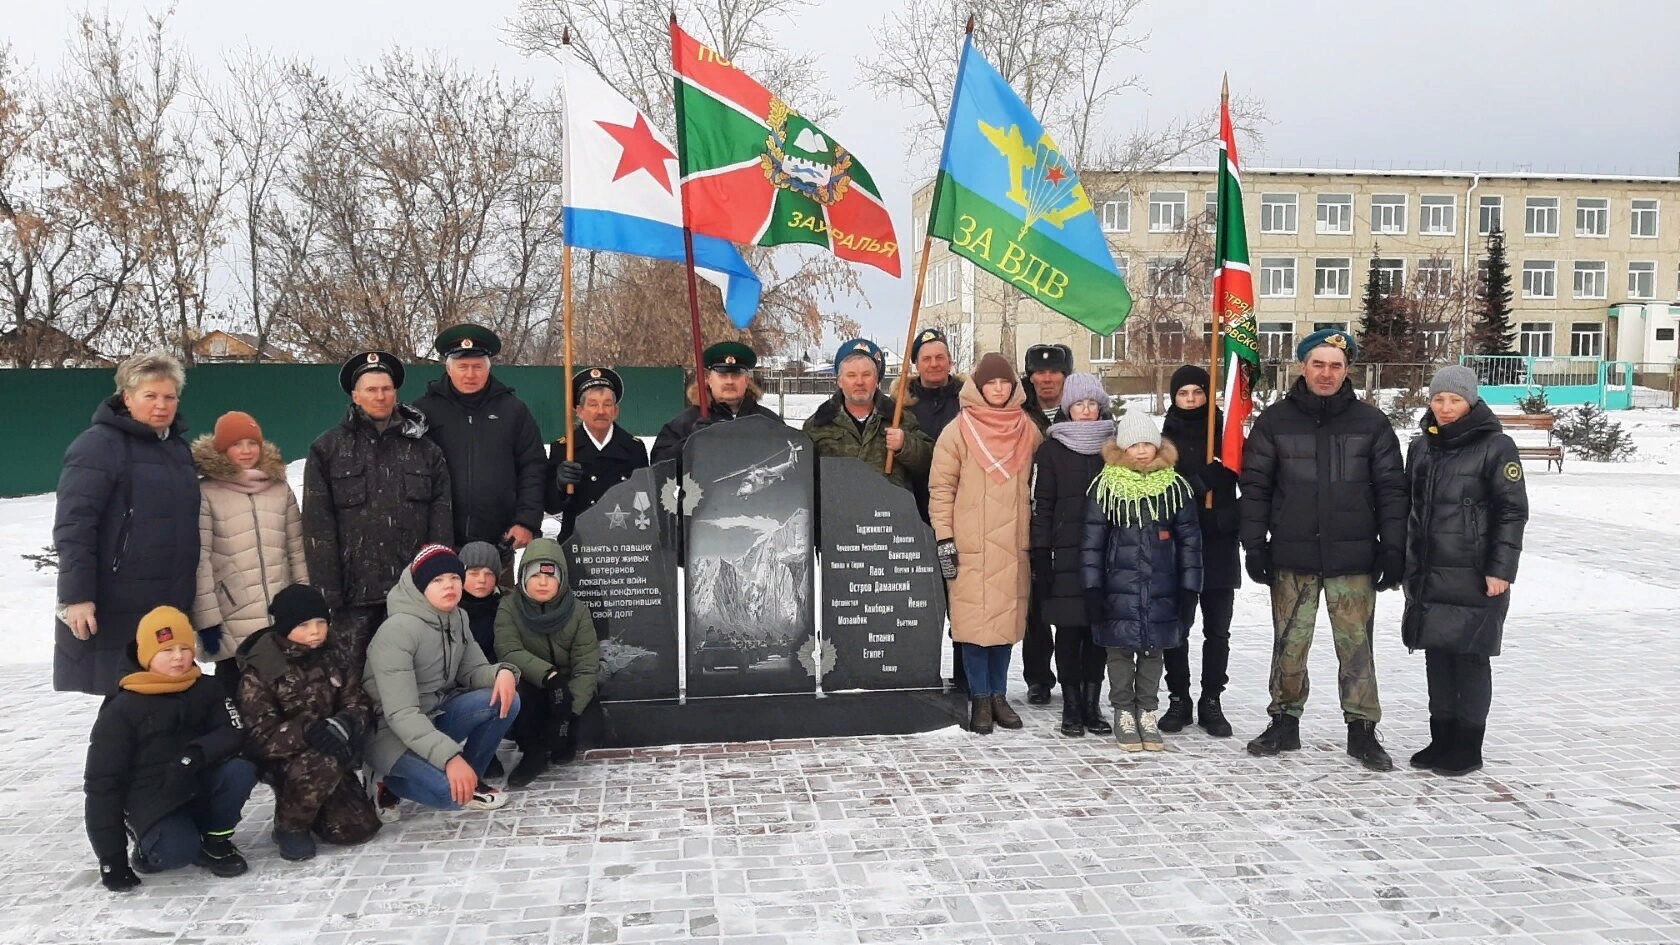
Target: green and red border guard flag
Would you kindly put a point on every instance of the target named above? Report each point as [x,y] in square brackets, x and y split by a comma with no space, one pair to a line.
[756,171]
[1233,299]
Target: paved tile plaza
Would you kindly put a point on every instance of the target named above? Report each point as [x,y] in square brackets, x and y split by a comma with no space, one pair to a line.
[1570,836]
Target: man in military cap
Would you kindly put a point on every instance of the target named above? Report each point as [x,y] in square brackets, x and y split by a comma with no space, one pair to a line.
[932,396]
[732,391]
[375,491]
[1047,368]
[857,420]
[1323,507]
[605,454]
[493,444]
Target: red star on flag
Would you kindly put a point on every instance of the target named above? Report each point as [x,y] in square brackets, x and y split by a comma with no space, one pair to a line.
[642,151]
[1055,174]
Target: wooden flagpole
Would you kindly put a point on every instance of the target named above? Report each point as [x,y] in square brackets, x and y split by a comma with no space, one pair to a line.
[1218,327]
[566,315]
[701,394]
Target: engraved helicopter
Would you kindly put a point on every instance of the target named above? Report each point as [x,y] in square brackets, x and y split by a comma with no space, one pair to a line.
[759,475]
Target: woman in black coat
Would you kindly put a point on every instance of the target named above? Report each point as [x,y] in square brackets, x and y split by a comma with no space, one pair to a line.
[126,525]
[1065,467]
[1469,506]
[1186,425]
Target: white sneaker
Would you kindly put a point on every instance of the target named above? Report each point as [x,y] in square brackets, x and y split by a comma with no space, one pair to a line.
[486,797]
[1126,730]
[1150,732]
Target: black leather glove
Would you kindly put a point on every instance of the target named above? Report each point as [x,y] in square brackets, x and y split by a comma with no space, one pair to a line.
[559,691]
[1096,606]
[1042,576]
[1258,562]
[334,737]
[1391,568]
[567,473]
[948,559]
[210,641]
[118,876]
[1217,478]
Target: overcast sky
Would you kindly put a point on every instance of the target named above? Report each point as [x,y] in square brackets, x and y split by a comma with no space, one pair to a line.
[1544,85]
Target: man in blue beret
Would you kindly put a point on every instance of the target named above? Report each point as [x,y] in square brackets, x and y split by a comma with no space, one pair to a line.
[1323,507]
[857,420]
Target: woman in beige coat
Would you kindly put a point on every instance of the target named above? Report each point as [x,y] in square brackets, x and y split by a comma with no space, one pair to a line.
[250,538]
[980,501]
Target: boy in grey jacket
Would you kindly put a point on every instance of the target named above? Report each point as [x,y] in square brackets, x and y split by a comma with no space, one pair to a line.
[443,708]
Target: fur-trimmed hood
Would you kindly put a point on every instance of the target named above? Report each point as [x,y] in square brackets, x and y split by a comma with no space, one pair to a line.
[1166,456]
[213,464]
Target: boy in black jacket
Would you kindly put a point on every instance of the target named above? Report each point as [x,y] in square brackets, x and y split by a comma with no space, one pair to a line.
[163,762]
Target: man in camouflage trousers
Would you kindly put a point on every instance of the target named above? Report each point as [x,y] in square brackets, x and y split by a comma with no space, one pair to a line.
[1324,502]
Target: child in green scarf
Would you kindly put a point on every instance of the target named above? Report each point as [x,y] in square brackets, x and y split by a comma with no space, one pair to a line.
[1142,547]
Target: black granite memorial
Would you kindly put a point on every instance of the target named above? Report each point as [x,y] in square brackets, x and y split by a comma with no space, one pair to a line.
[623,565]
[747,491]
[883,600]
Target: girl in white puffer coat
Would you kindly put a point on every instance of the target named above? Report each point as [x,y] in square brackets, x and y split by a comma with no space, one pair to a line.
[250,539]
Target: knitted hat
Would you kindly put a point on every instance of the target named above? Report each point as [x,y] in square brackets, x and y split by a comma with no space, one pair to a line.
[1135,426]
[297,604]
[480,554]
[1186,376]
[234,426]
[163,627]
[992,367]
[1455,379]
[432,562]
[542,556]
[529,569]
[1080,387]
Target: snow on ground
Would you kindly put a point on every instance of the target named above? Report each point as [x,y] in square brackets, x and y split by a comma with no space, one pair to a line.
[1570,835]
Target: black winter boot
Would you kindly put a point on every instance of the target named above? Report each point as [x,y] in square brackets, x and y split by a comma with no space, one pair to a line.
[1073,714]
[1039,694]
[1178,714]
[217,854]
[1465,755]
[1362,744]
[1211,717]
[1441,732]
[1094,721]
[531,766]
[980,716]
[294,844]
[1284,734]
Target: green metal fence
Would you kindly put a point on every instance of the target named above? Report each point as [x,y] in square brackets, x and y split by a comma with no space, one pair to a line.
[293,402]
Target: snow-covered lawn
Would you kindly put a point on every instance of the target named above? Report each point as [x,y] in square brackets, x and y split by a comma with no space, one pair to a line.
[1570,835]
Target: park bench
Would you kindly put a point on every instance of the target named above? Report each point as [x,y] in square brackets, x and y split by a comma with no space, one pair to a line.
[1551,453]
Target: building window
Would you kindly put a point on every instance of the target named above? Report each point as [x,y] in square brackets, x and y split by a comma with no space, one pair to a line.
[1339,326]
[1481,273]
[1166,278]
[1665,334]
[1534,339]
[1210,210]
[1540,216]
[1391,275]
[1642,280]
[1490,215]
[1436,214]
[1166,211]
[1277,278]
[1434,277]
[1435,340]
[1277,213]
[1332,278]
[1335,213]
[219,348]
[1592,216]
[1277,341]
[1539,279]
[1108,348]
[1645,218]
[1117,214]
[1388,213]
[1586,340]
[1591,279]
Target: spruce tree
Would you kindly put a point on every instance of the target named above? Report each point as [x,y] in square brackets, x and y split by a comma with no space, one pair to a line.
[1492,332]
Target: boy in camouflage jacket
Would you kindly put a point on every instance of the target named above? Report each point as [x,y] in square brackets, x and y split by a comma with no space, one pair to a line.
[306,715]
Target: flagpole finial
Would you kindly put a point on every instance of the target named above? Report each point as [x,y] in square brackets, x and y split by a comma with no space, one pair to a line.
[969,29]
[1225,86]
[566,36]
[673,16]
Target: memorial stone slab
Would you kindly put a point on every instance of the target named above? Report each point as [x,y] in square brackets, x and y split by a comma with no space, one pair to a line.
[623,567]
[747,492]
[883,599]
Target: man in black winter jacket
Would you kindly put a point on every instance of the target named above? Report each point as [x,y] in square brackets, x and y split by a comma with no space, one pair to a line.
[1323,510]
[1047,369]
[497,466]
